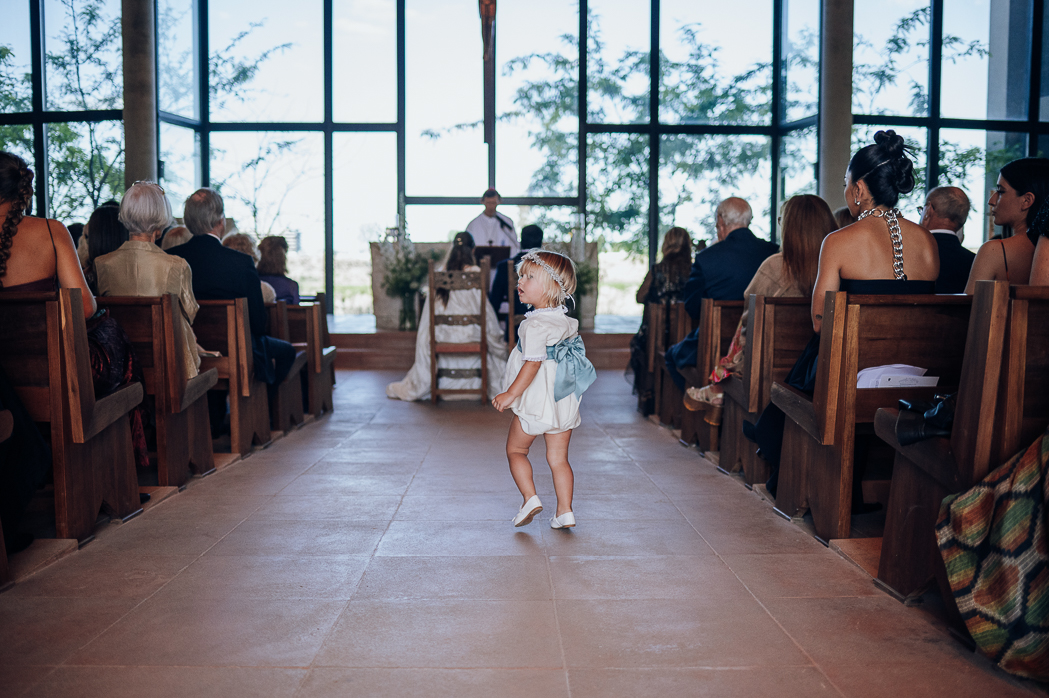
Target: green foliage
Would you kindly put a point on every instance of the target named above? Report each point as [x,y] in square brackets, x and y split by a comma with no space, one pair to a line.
[406,268]
[586,278]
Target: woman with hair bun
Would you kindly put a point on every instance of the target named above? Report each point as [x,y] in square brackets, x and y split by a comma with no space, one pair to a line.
[1023,187]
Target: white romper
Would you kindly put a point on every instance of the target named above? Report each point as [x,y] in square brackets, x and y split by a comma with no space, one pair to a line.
[537,409]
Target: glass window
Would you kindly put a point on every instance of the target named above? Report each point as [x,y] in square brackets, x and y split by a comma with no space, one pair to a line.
[708,74]
[891,58]
[446,153]
[916,138]
[537,134]
[801,58]
[83,47]
[267,60]
[365,205]
[364,60]
[617,61]
[971,160]
[180,155]
[18,139]
[273,184]
[798,165]
[617,190]
[16,79]
[85,167]
[178,76]
[698,172]
[431,223]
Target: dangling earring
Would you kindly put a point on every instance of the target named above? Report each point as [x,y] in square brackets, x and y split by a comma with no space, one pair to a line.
[857,202]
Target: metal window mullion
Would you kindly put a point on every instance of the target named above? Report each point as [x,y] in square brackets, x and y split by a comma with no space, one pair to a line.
[583,125]
[401,130]
[329,161]
[653,135]
[1035,98]
[778,115]
[204,97]
[932,163]
[36,25]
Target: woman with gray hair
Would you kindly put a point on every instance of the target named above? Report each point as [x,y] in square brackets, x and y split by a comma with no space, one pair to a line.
[140,268]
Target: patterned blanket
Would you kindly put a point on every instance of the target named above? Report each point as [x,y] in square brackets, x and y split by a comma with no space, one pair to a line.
[993,540]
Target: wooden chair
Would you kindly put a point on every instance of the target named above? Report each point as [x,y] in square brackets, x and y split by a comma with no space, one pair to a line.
[513,320]
[7,423]
[44,352]
[454,281]
[222,326]
[308,328]
[286,403]
[816,466]
[1002,406]
[155,328]
[717,325]
[777,331]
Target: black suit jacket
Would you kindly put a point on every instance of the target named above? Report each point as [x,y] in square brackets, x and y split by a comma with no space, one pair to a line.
[220,273]
[500,291]
[955,263]
[723,270]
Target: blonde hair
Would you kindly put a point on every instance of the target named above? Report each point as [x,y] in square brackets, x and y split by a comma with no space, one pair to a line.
[553,294]
[178,235]
[242,242]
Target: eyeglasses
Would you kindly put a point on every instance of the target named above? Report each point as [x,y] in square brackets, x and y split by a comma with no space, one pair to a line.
[146,181]
[921,210]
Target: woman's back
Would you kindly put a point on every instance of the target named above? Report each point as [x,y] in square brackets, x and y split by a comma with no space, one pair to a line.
[864,251]
[33,253]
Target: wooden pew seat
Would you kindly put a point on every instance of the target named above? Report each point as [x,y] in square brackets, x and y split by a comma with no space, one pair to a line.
[308,331]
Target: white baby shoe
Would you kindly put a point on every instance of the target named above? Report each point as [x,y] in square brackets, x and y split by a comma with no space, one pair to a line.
[532,507]
[565,520]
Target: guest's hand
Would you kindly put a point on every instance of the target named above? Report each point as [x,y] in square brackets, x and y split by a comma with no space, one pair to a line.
[503,400]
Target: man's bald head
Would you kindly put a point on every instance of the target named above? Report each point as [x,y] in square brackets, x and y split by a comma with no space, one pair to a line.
[949,209]
[732,214]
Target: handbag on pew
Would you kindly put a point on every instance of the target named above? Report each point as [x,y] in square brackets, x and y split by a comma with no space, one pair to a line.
[920,419]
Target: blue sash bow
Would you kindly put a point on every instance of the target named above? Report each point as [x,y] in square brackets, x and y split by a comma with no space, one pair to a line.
[575,373]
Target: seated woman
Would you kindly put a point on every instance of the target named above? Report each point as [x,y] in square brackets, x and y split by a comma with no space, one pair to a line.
[140,268]
[806,221]
[663,283]
[105,233]
[273,268]
[1022,187]
[416,385]
[866,257]
[243,243]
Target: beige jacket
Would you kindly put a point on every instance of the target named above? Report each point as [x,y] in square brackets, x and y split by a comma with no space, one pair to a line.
[143,269]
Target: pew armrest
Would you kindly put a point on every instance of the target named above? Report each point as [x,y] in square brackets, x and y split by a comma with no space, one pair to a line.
[327,358]
[799,407]
[198,386]
[735,389]
[934,456]
[111,408]
[296,366]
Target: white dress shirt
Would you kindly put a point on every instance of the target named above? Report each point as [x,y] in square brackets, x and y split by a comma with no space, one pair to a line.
[487,230]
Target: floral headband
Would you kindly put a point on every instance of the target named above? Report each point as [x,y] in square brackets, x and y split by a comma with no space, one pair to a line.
[533,256]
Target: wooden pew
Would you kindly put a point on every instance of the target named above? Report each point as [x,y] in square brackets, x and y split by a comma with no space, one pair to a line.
[1002,406]
[816,466]
[286,408]
[44,352]
[308,329]
[777,331]
[180,404]
[674,325]
[222,326]
[7,423]
[717,325]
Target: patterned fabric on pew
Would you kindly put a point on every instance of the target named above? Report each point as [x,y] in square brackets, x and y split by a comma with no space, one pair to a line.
[995,544]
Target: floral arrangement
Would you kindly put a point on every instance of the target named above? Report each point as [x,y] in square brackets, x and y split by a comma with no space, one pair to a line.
[405,276]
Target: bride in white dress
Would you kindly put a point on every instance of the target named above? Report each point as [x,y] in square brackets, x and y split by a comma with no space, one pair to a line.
[416,385]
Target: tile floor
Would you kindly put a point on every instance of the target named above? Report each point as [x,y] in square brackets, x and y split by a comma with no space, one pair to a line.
[371,554]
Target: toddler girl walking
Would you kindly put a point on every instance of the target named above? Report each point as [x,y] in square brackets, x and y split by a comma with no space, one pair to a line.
[545,377]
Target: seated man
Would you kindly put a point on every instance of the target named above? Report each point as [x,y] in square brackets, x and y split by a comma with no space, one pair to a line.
[531,238]
[944,214]
[220,273]
[722,272]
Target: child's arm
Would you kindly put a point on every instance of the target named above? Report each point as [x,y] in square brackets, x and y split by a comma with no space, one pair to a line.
[524,379]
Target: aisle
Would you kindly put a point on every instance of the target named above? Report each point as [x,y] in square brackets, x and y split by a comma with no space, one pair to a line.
[371,554]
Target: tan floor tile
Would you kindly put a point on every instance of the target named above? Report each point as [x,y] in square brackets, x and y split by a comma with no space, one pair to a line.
[743,682]
[520,577]
[706,632]
[103,573]
[428,683]
[461,538]
[452,507]
[786,575]
[346,485]
[450,634]
[46,631]
[969,677]
[299,577]
[169,682]
[355,507]
[145,536]
[301,538]
[628,538]
[18,679]
[215,632]
[672,577]
[200,501]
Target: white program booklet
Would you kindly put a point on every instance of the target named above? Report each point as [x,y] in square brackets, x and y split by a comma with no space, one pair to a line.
[894,376]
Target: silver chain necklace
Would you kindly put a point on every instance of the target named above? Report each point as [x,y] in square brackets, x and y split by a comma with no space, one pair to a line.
[891,220]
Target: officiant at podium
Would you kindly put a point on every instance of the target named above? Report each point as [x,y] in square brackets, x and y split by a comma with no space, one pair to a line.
[492,228]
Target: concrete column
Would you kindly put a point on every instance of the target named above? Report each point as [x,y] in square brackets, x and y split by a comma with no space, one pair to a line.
[140,91]
[835,115]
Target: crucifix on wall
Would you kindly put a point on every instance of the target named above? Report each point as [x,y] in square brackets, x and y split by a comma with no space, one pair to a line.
[487,9]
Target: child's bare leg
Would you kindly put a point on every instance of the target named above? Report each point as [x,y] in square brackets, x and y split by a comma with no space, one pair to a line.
[517,445]
[564,479]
